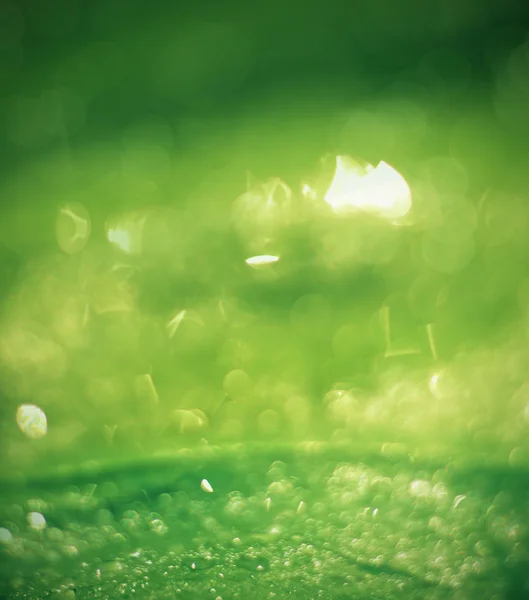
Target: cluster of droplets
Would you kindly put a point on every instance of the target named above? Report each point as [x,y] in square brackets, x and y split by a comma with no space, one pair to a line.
[378,524]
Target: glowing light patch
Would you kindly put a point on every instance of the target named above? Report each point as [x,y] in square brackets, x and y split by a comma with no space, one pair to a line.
[434,381]
[262,260]
[174,323]
[420,488]
[72,228]
[206,486]
[120,238]
[36,521]
[6,537]
[458,500]
[308,191]
[32,421]
[126,232]
[381,190]
[259,213]
[189,420]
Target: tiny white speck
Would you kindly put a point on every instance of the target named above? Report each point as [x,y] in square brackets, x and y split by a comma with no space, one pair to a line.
[206,486]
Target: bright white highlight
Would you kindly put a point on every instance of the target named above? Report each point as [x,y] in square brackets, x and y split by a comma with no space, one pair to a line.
[206,486]
[381,190]
[36,521]
[32,421]
[259,261]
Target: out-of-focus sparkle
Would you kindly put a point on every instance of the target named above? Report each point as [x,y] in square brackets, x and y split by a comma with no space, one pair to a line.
[174,323]
[32,421]
[72,228]
[6,537]
[458,500]
[262,260]
[120,238]
[189,420]
[36,520]
[127,231]
[308,191]
[206,486]
[434,380]
[381,190]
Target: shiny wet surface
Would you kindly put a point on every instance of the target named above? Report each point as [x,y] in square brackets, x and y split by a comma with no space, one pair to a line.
[264,301]
[299,522]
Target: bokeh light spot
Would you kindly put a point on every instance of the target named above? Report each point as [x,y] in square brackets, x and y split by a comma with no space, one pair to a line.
[32,421]
[72,228]
[381,190]
[36,521]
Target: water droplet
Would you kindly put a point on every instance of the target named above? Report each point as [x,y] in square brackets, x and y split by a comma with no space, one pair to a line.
[253,562]
[158,526]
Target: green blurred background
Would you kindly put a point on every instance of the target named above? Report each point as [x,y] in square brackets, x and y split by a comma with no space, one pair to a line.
[155,120]
[148,150]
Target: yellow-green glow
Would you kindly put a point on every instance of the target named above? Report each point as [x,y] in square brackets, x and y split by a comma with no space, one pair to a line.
[189,420]
[381,190]
[174,323]
[434,381]
[145,389]
[307,191]
[126,232]
[260,214]
[120,238]
[314,385]
[32,421]
[72,228]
